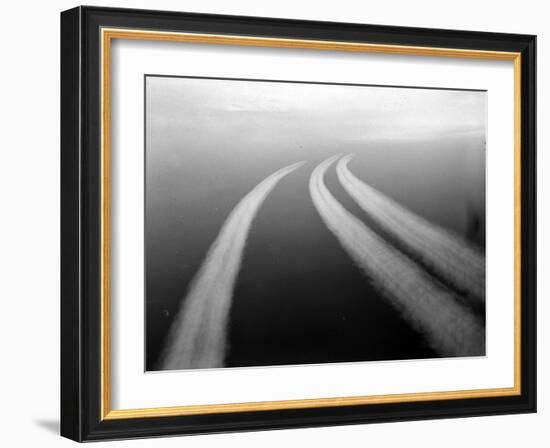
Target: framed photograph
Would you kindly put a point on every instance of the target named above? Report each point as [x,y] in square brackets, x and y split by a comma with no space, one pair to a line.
[270,223]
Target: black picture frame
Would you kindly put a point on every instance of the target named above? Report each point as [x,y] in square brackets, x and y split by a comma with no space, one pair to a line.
[81,379]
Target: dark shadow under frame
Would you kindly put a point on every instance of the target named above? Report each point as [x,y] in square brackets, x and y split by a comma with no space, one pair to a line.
[83,414]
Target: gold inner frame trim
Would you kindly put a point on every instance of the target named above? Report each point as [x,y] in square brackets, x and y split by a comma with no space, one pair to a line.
[107,35]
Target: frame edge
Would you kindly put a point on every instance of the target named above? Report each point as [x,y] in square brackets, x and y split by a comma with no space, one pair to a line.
[71,381]
[529,223]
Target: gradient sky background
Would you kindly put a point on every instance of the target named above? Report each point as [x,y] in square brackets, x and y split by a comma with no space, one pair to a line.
[209,142]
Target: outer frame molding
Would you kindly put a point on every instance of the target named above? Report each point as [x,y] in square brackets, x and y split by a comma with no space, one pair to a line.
[85,36]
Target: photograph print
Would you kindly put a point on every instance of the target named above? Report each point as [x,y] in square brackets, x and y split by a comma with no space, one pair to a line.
[295,223]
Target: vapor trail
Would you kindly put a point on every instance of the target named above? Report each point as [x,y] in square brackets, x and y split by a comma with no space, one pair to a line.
[449,327]
[197,338]
[450,256]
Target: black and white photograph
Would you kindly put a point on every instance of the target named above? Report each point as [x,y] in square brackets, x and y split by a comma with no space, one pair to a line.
[291,223]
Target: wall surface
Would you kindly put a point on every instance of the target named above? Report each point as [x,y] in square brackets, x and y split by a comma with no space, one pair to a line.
[29,237]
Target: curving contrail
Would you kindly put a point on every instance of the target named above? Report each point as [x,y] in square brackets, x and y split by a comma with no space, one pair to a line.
[449,327]
[197,338]
[448,255]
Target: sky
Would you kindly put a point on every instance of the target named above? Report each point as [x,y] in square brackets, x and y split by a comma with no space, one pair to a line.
[359,113]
